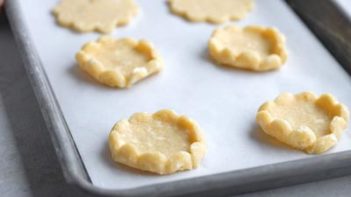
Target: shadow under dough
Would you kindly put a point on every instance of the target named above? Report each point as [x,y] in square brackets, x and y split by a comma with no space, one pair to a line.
[108,161]
[205,56]
[263,139]
[82,77]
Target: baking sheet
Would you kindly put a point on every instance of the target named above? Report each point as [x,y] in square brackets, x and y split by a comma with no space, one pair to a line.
[345,5]
[223,101]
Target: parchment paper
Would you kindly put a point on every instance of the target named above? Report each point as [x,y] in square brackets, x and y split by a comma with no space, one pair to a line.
[222,100]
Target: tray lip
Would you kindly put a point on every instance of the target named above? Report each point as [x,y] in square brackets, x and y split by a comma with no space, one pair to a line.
[73,167]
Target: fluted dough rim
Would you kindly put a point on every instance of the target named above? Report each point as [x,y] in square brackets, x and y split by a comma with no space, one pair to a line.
[249,59]
[156,161]
[115,78]
[304,138]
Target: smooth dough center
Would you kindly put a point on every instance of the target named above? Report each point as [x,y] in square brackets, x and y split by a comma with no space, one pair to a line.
[96,13]
[121,56]
[302,113]
[241,41]
[95,10]
[156,136]
[214,8]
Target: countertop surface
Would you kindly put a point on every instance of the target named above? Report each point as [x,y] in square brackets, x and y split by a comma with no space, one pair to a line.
[29,166]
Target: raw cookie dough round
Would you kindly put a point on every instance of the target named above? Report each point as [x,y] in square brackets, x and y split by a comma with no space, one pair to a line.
[304,121]
[162,143]
[91,15]
[213,11]
[253,47]
[119,62]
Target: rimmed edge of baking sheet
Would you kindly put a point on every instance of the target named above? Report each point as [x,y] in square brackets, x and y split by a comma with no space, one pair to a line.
[252,179]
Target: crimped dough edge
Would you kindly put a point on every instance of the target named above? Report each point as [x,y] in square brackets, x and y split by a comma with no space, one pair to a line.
[304,138]
[250,60]
[115,78]
[156,161]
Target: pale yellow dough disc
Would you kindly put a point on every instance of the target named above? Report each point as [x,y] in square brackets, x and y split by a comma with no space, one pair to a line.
[91,15]
[162,143]
[304,121]
[213,11]
[255,48]
[119,62]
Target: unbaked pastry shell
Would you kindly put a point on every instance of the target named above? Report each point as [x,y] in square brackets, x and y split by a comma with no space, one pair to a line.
[155,161]
[114,77]
[304,137]
[233,12]
[103,18]
[248,59]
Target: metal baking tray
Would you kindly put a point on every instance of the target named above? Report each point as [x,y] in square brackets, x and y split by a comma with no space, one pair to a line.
[270,166]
